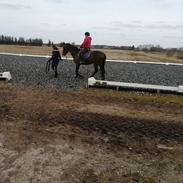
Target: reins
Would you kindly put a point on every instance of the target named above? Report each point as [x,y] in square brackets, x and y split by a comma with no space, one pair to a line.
[47,67]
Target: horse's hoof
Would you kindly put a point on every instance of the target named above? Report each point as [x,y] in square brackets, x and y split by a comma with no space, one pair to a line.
[81,77]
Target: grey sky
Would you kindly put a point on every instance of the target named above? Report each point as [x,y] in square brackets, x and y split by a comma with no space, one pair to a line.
[113,22]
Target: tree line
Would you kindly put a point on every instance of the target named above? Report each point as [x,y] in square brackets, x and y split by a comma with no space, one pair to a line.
[20,41]
[39,42]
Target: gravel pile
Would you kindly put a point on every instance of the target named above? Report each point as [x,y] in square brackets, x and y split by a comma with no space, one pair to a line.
[31,71]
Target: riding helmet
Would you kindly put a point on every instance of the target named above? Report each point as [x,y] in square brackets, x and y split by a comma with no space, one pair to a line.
[87,34]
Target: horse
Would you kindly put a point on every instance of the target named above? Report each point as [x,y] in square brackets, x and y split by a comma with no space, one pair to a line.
[97,58]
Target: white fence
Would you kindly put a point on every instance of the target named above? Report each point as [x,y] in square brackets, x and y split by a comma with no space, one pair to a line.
[118,61]
[92,82]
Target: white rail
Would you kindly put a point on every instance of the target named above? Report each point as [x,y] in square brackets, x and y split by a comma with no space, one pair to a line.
[5,76]
[117,61]
[92,82]
[25,55]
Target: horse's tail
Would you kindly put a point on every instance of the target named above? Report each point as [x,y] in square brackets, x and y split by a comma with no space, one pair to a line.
[103,63]
[102,67]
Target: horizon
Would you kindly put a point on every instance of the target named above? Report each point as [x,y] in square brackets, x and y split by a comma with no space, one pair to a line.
[148,46]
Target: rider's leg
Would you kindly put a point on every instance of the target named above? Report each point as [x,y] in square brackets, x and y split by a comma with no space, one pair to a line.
[81,55]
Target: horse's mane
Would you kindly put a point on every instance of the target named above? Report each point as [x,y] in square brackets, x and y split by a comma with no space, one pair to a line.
[72,47]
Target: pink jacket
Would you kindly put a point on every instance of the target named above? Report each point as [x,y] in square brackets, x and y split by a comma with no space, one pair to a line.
[87,42]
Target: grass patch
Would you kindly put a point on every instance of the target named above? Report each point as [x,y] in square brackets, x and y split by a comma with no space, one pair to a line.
[136,96]
[180,55]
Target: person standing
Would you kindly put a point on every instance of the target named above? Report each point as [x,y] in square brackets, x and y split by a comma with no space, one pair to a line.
[55,58]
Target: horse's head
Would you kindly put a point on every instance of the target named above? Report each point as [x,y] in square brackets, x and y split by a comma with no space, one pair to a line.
[65,49]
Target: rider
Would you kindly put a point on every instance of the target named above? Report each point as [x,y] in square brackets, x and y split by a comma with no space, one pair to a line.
[86,45]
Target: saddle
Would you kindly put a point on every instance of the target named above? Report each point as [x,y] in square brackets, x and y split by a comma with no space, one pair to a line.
[84,56]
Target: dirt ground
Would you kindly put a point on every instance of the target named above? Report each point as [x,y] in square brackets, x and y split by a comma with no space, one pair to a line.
[52,136]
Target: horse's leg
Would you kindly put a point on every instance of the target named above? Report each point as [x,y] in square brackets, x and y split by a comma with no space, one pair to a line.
[102,71]
[77,71]
[95,71]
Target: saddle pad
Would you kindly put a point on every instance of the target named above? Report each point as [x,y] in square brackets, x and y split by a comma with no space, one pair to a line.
[87,55]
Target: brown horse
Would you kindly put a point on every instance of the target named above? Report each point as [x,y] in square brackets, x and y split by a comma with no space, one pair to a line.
[97,58]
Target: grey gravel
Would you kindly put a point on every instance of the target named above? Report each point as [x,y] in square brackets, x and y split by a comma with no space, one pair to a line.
[28,71]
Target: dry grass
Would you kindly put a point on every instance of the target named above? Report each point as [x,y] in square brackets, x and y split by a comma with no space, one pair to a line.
[111,54]
[180,55]
[137,97]
[141,56]
[34,50]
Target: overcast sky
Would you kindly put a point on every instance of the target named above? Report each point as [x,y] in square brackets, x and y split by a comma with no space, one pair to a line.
[112,22]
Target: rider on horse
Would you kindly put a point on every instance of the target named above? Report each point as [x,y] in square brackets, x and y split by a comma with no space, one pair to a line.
[86,45]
